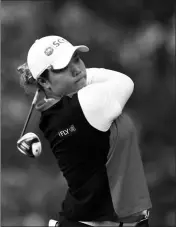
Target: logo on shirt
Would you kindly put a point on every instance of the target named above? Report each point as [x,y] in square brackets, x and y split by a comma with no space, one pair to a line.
[67,131]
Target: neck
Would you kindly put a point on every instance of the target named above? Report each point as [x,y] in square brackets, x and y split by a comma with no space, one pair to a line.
[50,95]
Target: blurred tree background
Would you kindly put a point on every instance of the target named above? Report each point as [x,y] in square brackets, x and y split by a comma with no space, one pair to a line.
[136,37]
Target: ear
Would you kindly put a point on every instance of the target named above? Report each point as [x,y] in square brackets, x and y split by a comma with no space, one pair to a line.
[44,83]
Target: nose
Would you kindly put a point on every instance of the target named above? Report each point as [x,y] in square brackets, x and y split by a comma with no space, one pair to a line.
[75,70]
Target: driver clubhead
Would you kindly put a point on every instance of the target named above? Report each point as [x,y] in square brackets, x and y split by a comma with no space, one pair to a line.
[30,145]
[53,223]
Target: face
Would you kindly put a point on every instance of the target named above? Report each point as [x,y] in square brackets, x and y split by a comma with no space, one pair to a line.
[69,79]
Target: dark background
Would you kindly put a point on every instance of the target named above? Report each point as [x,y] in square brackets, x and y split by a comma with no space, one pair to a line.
[136,37]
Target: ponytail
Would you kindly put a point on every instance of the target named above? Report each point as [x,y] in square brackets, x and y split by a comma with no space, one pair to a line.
[27,82]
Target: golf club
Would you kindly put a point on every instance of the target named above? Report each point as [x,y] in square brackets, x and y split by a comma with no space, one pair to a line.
[30,112]
[29,143]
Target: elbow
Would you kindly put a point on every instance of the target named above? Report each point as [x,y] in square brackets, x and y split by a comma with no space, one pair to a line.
[129,85]
[129,88]
[124,91]
[126,83]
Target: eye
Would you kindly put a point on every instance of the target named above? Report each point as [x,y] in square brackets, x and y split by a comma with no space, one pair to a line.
[59,70]
[63,69]
[76,58]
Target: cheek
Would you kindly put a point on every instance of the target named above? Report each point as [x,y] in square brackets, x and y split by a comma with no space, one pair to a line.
[82,66]
[56,84]
[63,84]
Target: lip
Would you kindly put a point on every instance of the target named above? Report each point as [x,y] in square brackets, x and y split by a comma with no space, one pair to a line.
[80,77]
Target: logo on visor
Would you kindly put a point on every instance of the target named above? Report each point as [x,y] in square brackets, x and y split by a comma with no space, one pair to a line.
[49,51]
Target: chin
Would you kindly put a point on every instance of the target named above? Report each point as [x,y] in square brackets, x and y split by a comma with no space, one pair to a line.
[82,83]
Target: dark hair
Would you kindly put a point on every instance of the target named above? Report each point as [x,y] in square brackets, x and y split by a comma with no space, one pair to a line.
[28,82]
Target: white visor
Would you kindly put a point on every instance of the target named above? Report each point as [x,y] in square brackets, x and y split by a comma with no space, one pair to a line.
[51,51]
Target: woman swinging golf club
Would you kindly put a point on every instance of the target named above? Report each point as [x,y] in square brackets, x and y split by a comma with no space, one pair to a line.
[93,141]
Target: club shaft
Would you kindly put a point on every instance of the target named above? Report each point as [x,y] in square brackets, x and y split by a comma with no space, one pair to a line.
[30,112]
[27,120]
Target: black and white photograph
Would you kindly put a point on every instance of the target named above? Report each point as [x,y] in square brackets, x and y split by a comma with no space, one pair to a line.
[88,113]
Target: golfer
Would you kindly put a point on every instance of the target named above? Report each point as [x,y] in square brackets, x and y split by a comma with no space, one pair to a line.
[94,142]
